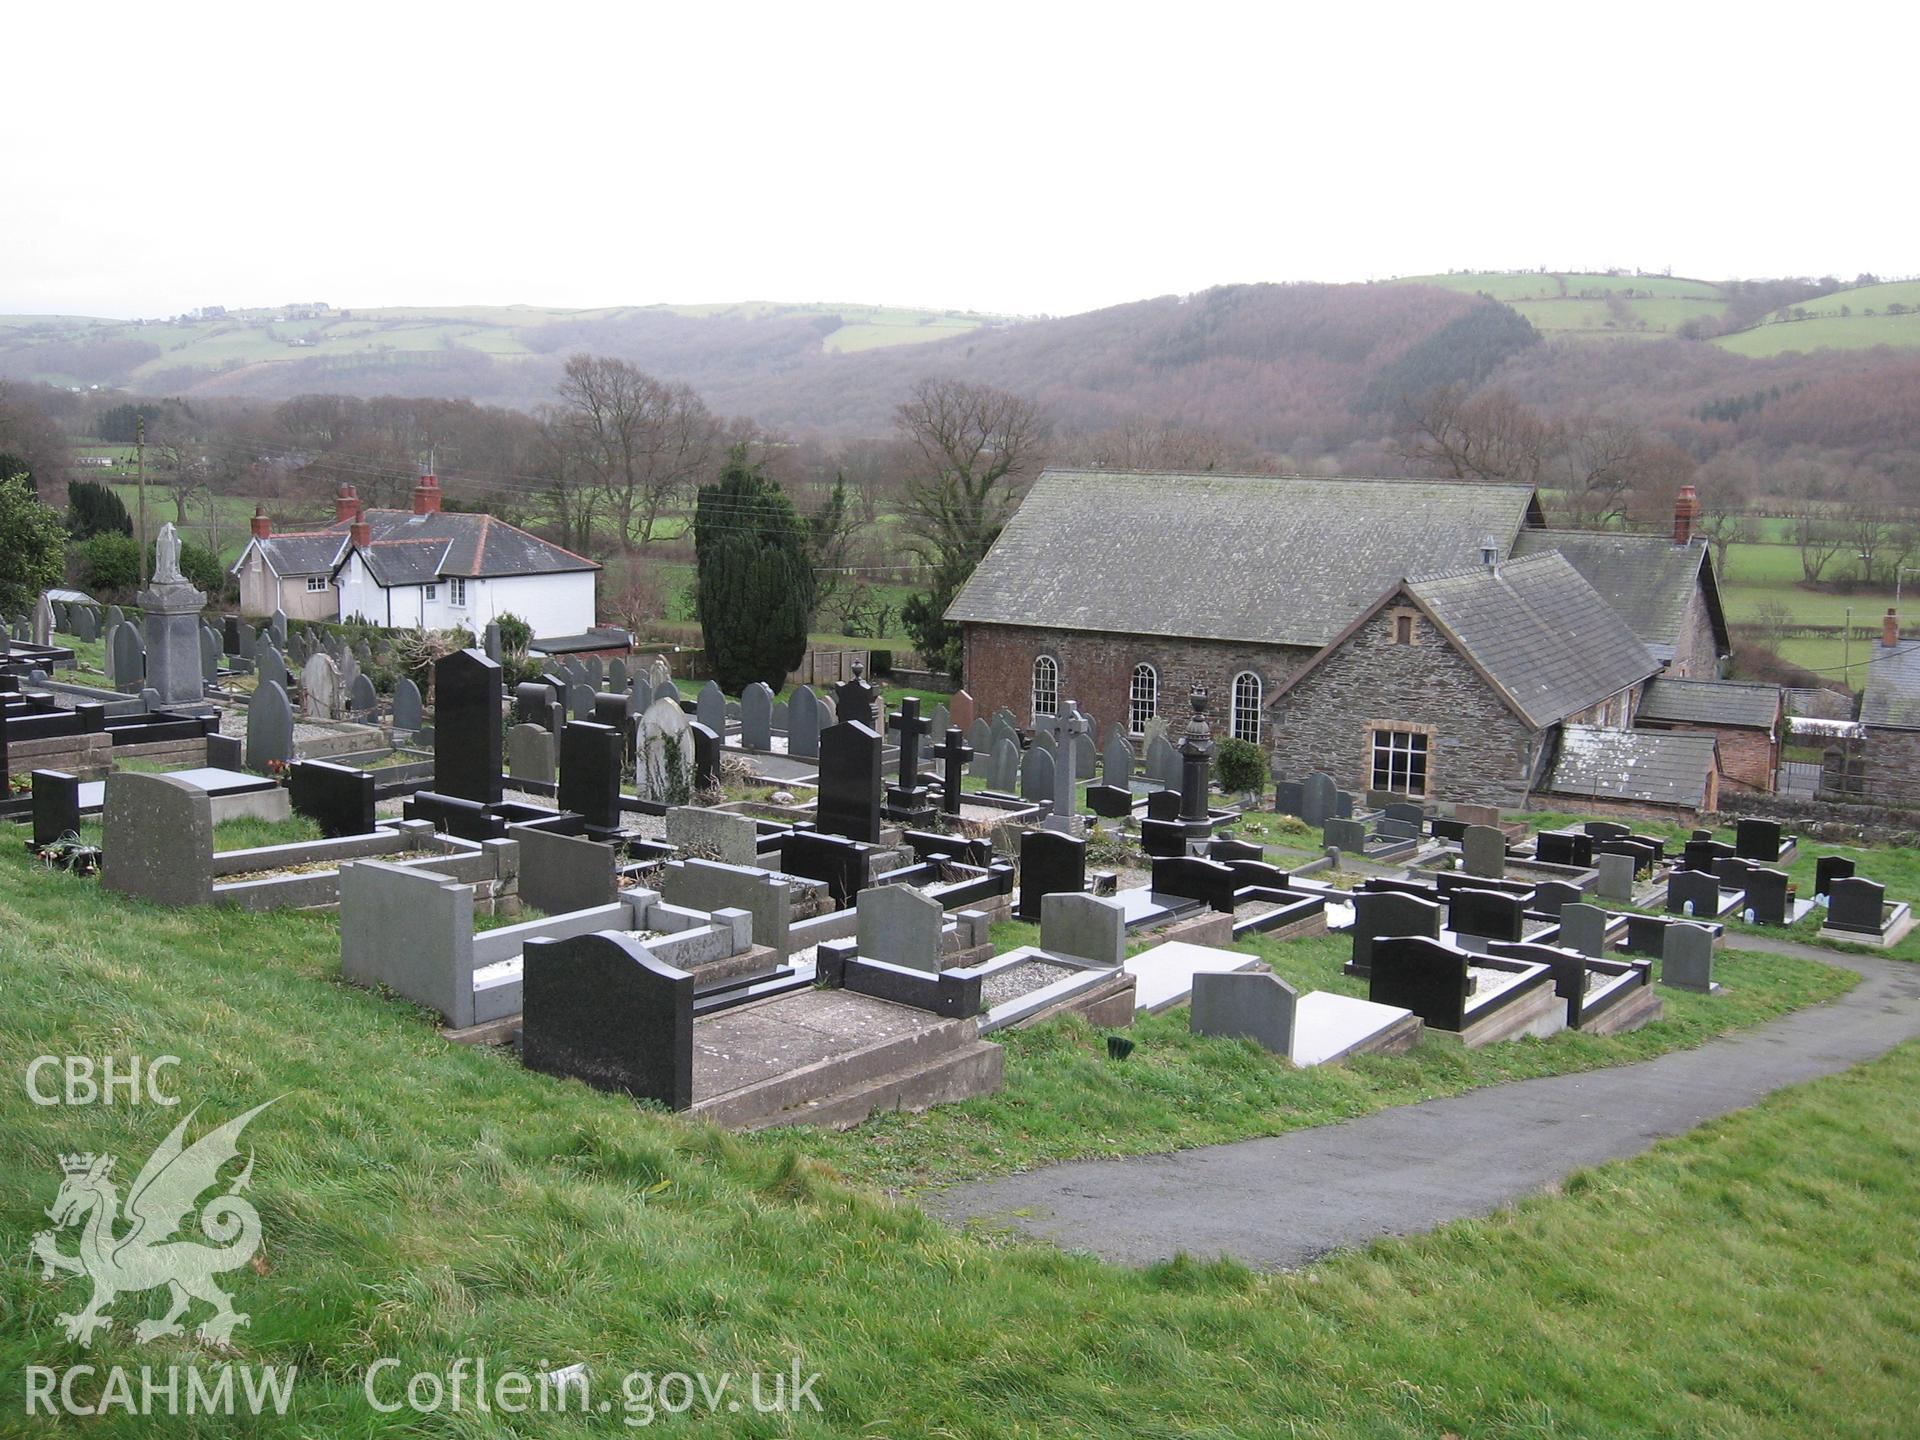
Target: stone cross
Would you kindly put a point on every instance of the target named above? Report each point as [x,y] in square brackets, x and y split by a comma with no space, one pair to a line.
[1073,733]
[954,753]
[908,797]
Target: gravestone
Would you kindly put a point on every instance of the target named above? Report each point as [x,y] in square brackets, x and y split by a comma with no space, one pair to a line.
[157,832]
[407,709]
[1554,848]
[1348,836]
[1050,864]
[1424,976]
[619,677]
[86,623]
[1483,852]
[907,799]
[660,674]
[964,710]
[601,1008]
[803,724]
[1316,798]
[1767,902]
[1693,892]
[1856,904]
[269,726]
[1116,759]
[610,709]
[953,755]
[1606,830]
[248,640]
[1037,774]
[1076,751]
[596,672]
[56,806]
[580,701]
[532,753]
[209,657]
[1583,928]
[1550,897]
[1163,763]
[1486,914]
[1829,868]
[270,663]
[1616,877]
[900,925]
[781,716]
[533,704]
[854,699]
[1196,762]
[665,760]
[711,708]
[466,727]
[320,688]
[940,719]
[589,786]
[1003,776]
[1289,797]
[278,624]
[1380,913]
[717,835]
[490,641]
[1255,1005]
[115,616]
[756,717]
[849,797]
[1163,839]
[1686,958]
[980,737]
[127,656]
[1755,839]
[149,699]
[1087,927]
[706,757]
[337,798]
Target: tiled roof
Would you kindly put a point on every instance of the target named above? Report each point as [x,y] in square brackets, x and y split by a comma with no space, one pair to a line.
[1272,560]
[1660,767]
[1539,632]
[1648,579]
[1892,696]
[302,552]
[1711,702]
[470,544]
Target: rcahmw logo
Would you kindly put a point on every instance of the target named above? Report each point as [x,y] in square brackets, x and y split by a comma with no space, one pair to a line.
[131,1249]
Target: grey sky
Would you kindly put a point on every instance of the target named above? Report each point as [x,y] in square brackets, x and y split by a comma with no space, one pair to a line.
[1011,157]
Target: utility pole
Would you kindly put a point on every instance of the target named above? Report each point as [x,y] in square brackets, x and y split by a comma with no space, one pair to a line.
[1846,650]
[140,471]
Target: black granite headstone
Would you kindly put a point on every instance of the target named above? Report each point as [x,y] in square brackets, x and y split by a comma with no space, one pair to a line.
[1050,864]
[907,799]
[56,806]
[1163,838]
[1194,879]
[337,798]
[706,757]
[590,775]
[1424,976]
[849,799]
[1767,895]
[1489,914]
[1857,904]
[1380,913]
[1693,892]
[1558,847]
[1827,869]
[839,864]
[602,1009]
[1755,839]
[953,754]
[466,727]
[853,700]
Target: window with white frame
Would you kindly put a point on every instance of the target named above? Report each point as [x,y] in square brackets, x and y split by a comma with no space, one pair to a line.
[1143,699]
[1246,707]
[457,590]
[433,592]
[316,583]
[1400,761]
[1046,686]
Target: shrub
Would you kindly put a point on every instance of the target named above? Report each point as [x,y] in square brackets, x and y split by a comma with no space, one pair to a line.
[199,564]
[515,633]
[93,509]
[109,561]
[1241,766]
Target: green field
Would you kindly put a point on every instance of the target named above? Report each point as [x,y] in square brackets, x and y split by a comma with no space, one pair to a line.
[1761,574]
[1572,304]
[1828,332]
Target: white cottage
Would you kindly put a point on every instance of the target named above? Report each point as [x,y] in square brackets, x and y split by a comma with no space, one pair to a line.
[424,566]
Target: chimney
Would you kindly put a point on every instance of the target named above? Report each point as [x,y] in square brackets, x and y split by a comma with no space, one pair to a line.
[426,495]
[262,526]
[360,534]
[1686,511]
[1890,628]
[346,504]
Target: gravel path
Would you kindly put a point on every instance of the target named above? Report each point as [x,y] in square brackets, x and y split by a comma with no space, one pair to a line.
[1283,1202]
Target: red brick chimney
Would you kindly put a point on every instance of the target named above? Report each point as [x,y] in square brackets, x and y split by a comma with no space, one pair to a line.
[360,534]
[262,526]
[1686,511]
[426,495]
[346,504]
[1890,628]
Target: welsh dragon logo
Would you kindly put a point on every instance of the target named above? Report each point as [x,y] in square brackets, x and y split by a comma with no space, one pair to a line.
[146,1256]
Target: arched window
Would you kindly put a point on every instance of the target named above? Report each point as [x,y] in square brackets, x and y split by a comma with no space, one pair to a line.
[1046,686]
[1144,699]
[1246,707]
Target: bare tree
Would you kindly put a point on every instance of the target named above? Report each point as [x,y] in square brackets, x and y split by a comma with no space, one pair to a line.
[647,442]
[571,496]
[1819,539]
[1479,437]
[970,445]
[1600,463]
[1141,445]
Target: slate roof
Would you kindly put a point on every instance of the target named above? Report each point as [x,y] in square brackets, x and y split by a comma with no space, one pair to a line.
[1660,767]
[1539,632]
[1648,579]
[1284,560]
[1891,699]
[473,545]
[297,553]
[1711,702]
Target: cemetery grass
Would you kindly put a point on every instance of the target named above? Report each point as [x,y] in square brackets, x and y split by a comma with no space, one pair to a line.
[427,1201]
[1065,1100]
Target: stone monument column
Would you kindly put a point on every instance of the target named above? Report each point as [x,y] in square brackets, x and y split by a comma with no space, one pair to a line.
[173,627]
[1196,765]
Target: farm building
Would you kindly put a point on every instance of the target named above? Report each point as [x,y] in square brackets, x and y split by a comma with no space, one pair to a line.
[424,566]
[1747,720]
[1885,763]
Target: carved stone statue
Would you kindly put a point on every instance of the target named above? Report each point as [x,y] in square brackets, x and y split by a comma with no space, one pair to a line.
[166,557]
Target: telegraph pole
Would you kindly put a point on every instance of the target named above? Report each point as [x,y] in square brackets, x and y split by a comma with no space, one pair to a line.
[140,471]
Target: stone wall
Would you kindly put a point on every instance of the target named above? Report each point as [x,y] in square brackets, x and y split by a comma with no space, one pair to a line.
[1096,669]
[1696,654]
[1827,819]
[1890,766]
[1480,750]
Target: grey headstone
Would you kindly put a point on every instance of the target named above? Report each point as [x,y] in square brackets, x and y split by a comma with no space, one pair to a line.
[320,688]
[942,718]
[564,873]
[580,701]
[43,620]
[149,699]
[1686,957]
[1257,1005]
[1088,927]
[718,835]
[410,930]
[86,623]
[407,709]
[1483,852]
[619,677]
[1316,798]
[269,725]
[1349,836]
[782,716]
[1583,928]
[1005,774]
[209,657]
[711,708]
[666,754]
[1616,877]
[532,753]
[158,836]
[128,656]
[115,616]
[980,737]
[756,717]
[1036,774]
[361,697]
[900,925]
[803,724]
